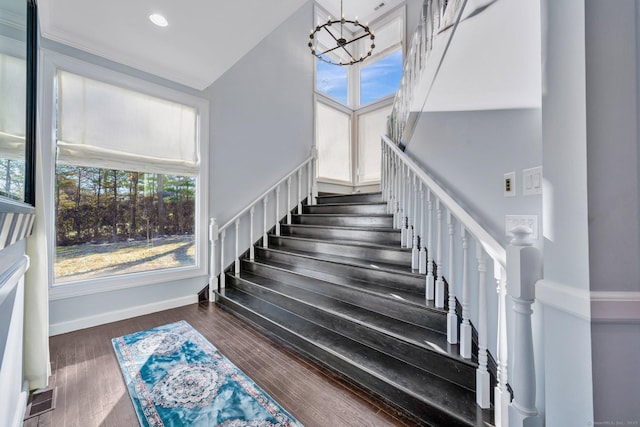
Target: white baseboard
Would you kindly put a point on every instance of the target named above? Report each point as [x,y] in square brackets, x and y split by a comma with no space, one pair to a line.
[568,299]
[114,316]
[18,418]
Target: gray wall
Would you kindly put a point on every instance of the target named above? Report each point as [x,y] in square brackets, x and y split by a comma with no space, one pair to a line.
[262,117]
[261,126]
[470,151]
[613,147]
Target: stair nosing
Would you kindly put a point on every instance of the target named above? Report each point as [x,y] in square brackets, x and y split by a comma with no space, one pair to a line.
[352,243]
[367,291]
[348,264]
[342,227]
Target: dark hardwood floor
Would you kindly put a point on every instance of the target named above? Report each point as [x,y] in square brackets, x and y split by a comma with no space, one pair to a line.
[91,391]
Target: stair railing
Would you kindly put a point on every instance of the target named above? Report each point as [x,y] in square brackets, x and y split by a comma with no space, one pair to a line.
[420,207]
[436,18]
[303,177]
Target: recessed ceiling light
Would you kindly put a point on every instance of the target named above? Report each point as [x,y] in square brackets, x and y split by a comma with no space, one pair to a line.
[158,19]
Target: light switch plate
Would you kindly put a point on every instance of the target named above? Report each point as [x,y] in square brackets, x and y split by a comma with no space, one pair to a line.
[532,181]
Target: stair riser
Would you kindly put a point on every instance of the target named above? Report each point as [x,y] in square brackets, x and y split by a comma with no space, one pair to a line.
[391,237]
[388,307]
[390,256]
[351,198]
[354,372]
[434,362]
[363,209]
[412,283]
[344,221]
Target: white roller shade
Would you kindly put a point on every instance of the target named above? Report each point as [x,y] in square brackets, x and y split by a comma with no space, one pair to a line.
[12,107]
[101,125]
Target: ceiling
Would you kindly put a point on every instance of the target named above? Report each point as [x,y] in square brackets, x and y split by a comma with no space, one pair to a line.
[203,40]
[365,10]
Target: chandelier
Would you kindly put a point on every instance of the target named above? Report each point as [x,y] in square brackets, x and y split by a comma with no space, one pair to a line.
[344,46]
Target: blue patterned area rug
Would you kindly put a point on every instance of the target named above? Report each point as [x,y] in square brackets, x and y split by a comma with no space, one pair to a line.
[176,377]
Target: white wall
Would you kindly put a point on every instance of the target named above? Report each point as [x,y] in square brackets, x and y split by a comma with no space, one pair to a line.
[261,117]
[470,151]
[13,398]
[493,61]
[564,291]
[261,126]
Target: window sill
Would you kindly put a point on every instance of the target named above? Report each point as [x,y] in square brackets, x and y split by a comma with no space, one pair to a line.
[124,281]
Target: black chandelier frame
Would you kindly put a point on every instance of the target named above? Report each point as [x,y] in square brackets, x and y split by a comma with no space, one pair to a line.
[341,42]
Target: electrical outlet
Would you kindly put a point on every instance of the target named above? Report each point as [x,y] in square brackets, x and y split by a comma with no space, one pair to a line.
[509,184]
[532,181]
[512,221]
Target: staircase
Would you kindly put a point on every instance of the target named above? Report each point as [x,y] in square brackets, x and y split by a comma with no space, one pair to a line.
[336,285]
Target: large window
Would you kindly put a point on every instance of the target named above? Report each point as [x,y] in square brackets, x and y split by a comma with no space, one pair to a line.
[127,196]
[12,126]
[333,139]
[360,94]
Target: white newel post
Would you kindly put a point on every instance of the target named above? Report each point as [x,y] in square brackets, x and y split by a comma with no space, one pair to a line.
[439,264]
[289,200]
[422,262]
[466,331]
[524,269]
[431,286]
[252,251]
[278,210]
[502,397]
[265,241]
[309,185]
[213,238]
[222,280]
[236,264]
[483,381]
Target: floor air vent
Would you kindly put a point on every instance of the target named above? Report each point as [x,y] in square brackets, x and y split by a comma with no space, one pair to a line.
[40,402]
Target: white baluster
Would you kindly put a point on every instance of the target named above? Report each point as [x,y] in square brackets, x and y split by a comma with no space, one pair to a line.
[465,327]
[404,212]
[289,200]
[299,191]
[213,238]
[415,253]
[309,185]
[502,396]
[252,251]
[278,210]
[409,234]
[430,278]
[452,317]
[399,168]
[314,189]
[222,278]
[439,264]
[422,268]
[265,239]
[524,269]
[237,261]
[483,381]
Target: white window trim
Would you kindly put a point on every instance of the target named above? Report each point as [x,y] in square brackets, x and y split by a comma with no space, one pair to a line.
[52,61]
